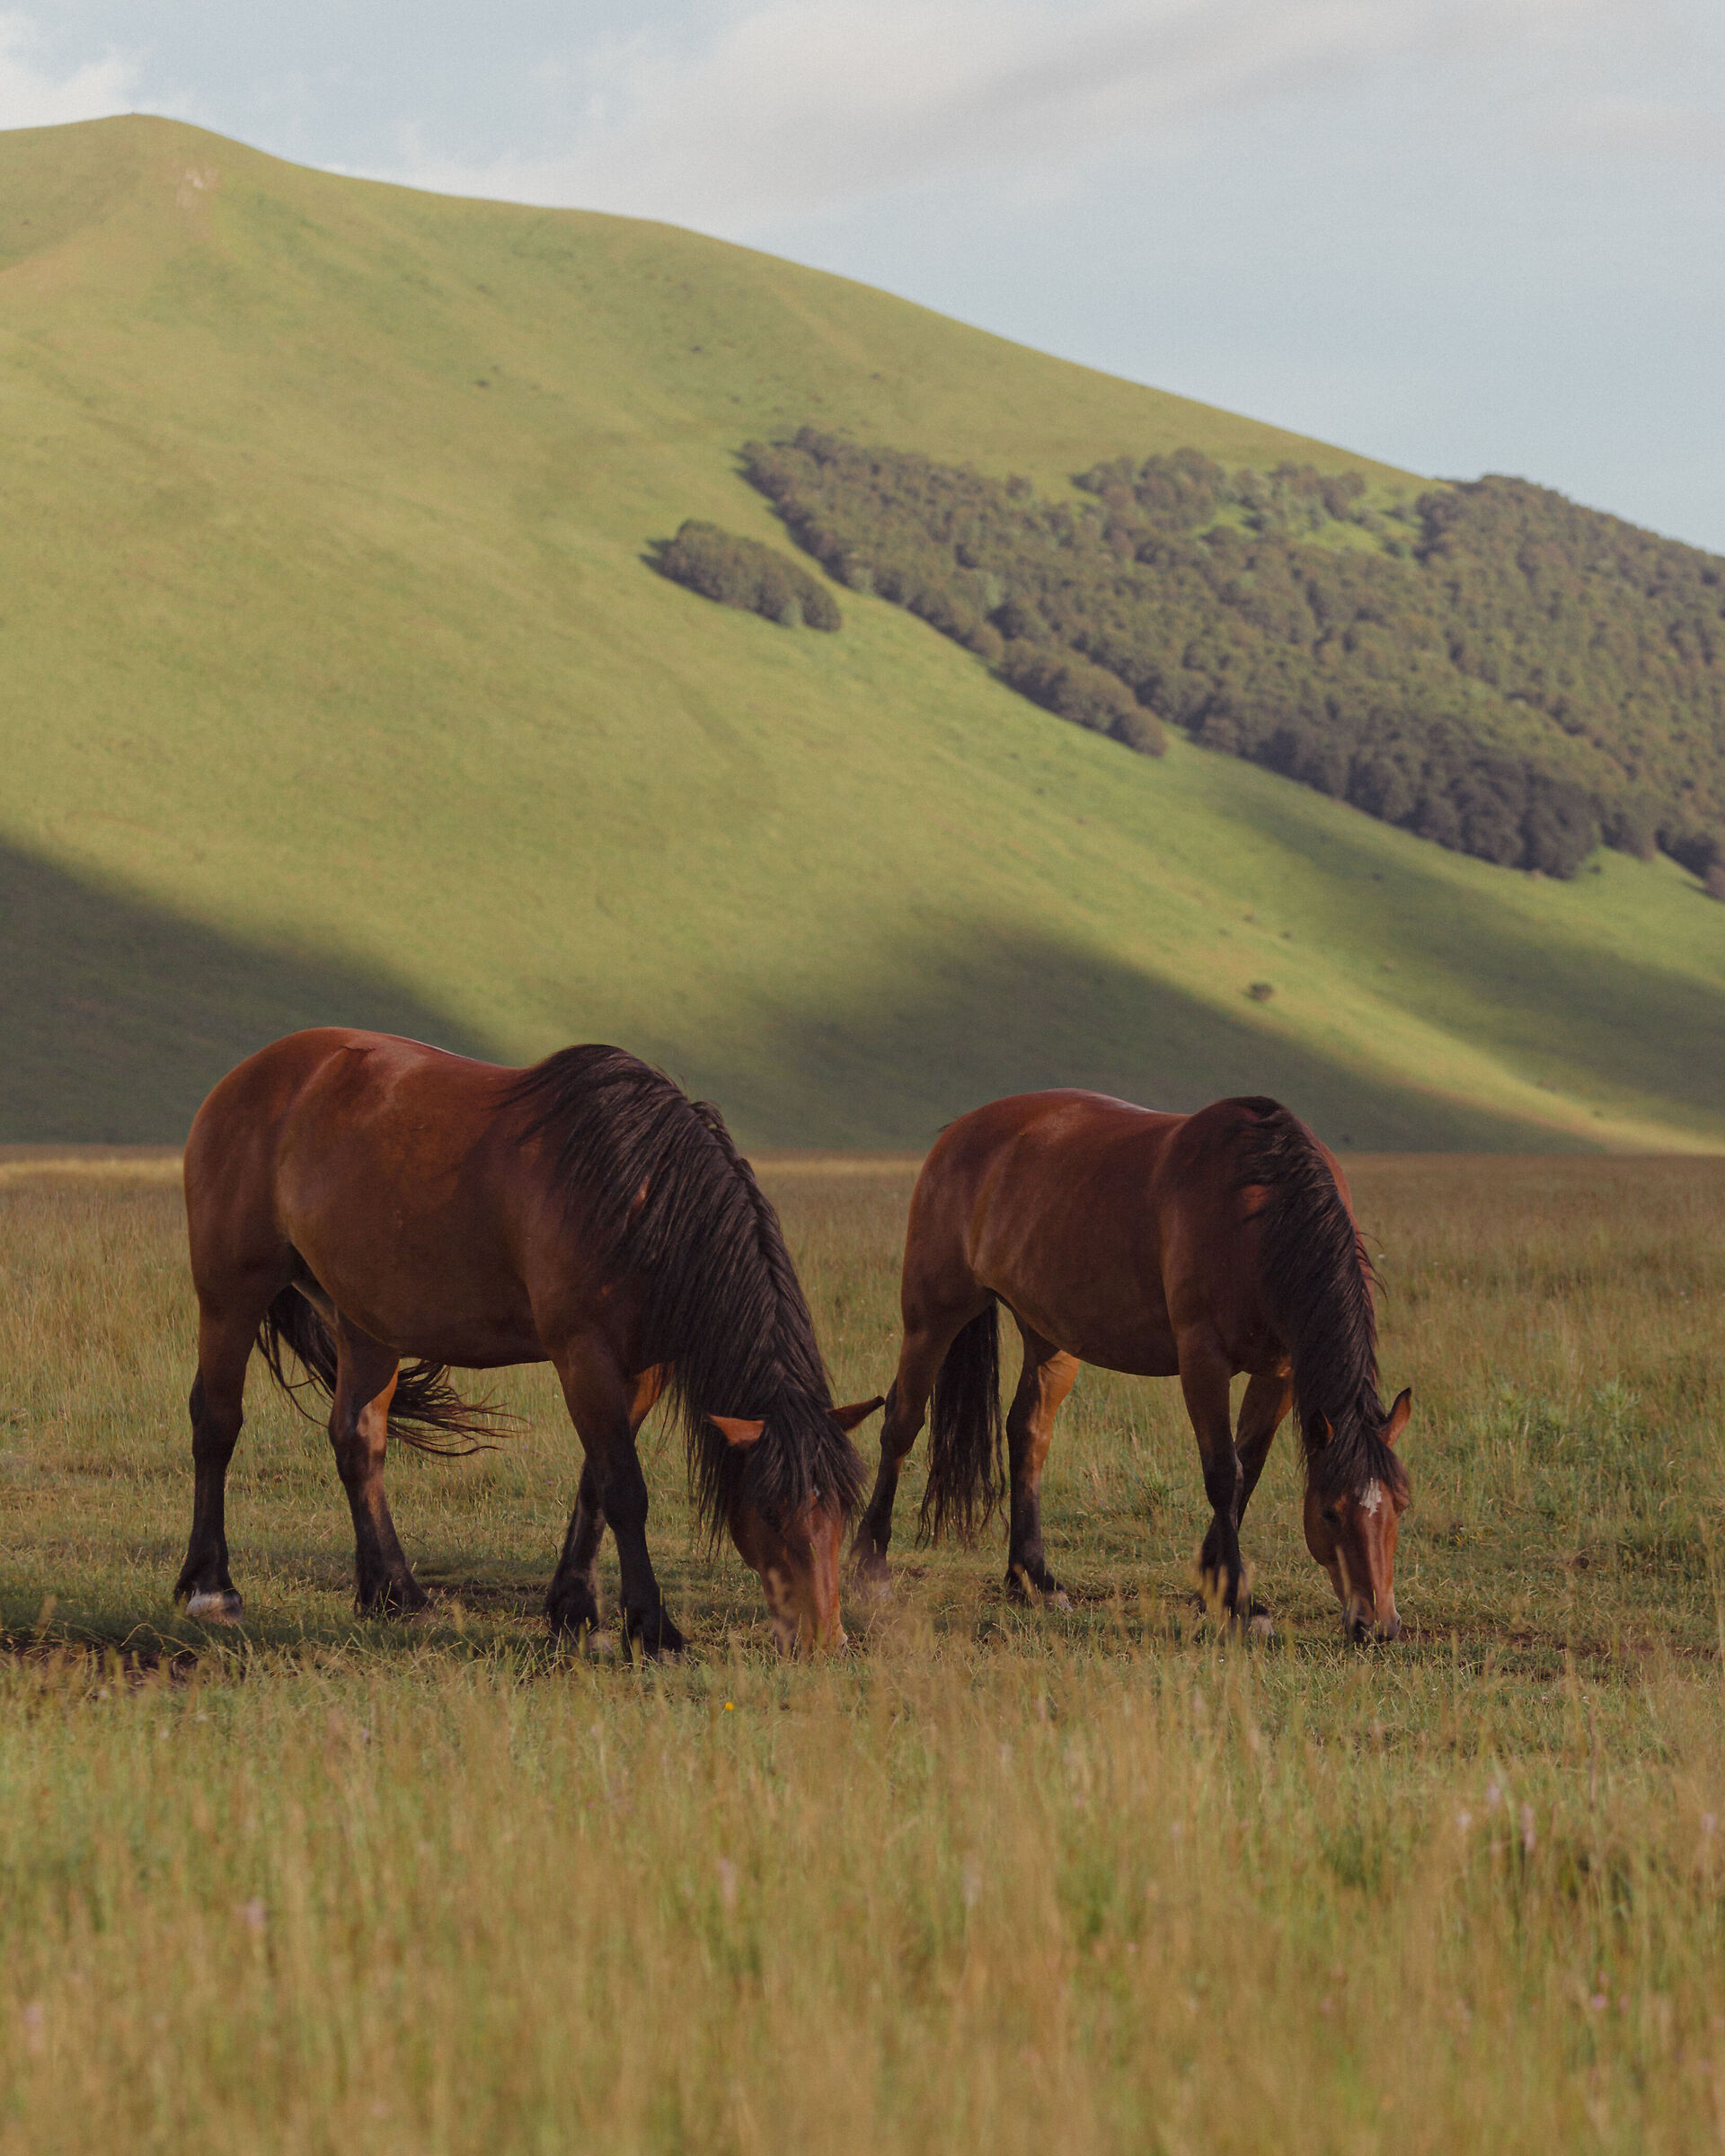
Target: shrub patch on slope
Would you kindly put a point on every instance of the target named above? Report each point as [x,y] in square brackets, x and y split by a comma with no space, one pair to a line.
[741,572]
[1490,665]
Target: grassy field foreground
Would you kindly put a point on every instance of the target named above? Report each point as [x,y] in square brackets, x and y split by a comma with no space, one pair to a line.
[1104,1881]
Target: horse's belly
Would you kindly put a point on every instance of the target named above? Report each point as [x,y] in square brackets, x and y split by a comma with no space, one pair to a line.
[1133,1354]
[422,1301]
[1132,1360]
[467,1346]
[1139,1342]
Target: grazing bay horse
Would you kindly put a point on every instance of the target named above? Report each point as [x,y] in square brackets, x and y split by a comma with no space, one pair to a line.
[357,1199]
[1192,1246]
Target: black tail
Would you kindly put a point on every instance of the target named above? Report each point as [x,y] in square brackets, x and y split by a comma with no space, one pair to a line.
[965,1473]
[425,1409]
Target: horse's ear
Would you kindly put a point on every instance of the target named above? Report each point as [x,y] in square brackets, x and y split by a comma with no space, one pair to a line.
[858,1411]
[1399,1414]
[734,1430]
[1326,1430]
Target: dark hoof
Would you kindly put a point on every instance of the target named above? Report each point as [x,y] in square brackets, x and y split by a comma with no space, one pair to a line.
[653,1632]
[571,1613]
[1245,1614]
[1035,1585]
[393,1598]
[871,1576]
[1224,1596]
[215,1605]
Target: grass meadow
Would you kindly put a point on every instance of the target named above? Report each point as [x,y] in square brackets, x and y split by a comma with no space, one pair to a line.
[1111,1880]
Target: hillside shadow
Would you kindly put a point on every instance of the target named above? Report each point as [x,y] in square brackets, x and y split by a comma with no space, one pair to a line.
[1541,1003]
[983,1012]
[120,1016]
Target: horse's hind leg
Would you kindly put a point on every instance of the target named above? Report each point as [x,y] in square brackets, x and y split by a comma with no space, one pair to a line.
[225,1339]
[919,1361]
[1047,1376]
[364,1382]
[572,1604]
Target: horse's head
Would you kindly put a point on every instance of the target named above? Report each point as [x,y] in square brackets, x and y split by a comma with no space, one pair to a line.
[797,1557]
[1352,1531]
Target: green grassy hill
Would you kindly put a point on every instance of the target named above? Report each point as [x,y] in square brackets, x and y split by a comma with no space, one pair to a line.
[334,685]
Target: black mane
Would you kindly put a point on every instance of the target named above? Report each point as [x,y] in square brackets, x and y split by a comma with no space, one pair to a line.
[1317,1281]
[664,1195]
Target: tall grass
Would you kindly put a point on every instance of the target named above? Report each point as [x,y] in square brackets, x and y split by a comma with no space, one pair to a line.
[1110,1881]
[954,1898]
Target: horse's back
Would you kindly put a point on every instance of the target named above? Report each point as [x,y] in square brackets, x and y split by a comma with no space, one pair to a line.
[1064,1126]
[307,1082]
[1039,1198]
[332,1115]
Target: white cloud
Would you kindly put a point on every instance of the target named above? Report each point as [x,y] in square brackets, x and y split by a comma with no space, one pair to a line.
[792,105]
[31,96]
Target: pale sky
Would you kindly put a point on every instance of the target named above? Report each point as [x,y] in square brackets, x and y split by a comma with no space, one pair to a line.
[1461,235]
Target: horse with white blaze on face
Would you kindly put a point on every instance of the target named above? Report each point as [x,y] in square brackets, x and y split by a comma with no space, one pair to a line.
[356,1199]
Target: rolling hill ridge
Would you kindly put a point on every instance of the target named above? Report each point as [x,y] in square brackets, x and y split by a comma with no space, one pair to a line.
[334,686]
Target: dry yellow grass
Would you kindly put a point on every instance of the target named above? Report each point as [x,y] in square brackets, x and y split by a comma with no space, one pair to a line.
[1110,1881]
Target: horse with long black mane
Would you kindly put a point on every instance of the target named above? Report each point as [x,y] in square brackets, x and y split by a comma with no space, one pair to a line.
[357,1199]
[1199,1246]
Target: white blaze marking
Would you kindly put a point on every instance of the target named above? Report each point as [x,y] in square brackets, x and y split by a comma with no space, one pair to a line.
[1371,1497]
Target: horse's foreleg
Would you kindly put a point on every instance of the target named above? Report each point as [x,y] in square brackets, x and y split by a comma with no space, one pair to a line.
[601,1403]
[1204,1379]
[1269,1396]
[216,1405]
[572,1600]
[365,1382]
[572,1603]
[919,1360]
[1047,1376]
